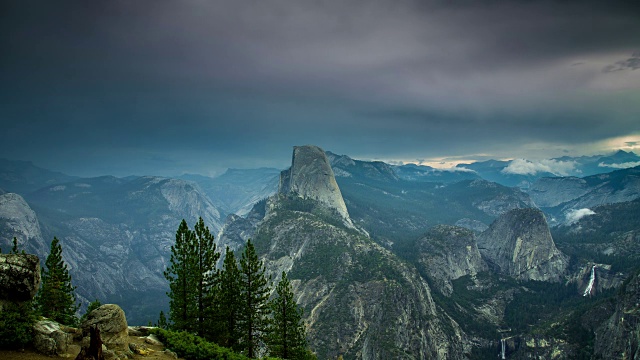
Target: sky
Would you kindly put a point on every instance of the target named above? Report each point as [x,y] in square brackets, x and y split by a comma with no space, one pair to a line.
[158,87]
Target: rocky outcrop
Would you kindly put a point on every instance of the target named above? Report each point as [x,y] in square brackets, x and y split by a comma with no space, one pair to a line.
[519,244]
[51,338]
[112,323]
[311,177]
[619,336]
[446,253]
[19,277]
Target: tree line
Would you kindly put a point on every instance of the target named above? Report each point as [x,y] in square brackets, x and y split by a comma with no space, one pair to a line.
[232,306]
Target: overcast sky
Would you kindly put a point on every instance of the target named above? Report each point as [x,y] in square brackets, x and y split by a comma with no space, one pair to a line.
[196,86]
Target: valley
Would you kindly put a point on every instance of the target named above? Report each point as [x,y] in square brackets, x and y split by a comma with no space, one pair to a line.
[386,261]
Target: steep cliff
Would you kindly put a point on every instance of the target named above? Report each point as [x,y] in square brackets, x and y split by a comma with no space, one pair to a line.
[446,253]
[17,219]
[619,336]
[116,235]
[311,177]
[519,244]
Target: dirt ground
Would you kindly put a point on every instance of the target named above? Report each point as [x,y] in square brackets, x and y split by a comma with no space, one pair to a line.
[156,353]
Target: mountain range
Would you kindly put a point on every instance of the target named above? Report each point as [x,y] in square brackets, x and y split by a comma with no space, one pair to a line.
[387,261]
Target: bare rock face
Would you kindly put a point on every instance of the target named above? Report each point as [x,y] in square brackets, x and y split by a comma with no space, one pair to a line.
[311,176]
[446,253]
[112,323]
[19,277]
[17,219]
[360,301]
[519,244]
[619,336]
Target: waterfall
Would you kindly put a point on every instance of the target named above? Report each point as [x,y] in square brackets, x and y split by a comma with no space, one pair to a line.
[589,288]
[502,352]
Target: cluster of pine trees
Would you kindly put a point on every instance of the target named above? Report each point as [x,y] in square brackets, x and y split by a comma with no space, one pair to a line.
[231,306]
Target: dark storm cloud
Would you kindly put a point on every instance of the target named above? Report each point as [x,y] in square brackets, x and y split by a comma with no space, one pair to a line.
[206,84]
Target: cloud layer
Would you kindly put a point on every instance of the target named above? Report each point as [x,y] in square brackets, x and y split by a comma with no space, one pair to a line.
[527,167]
[192,85]
[575,215]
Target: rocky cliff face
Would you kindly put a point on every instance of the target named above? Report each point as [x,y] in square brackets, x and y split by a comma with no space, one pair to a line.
[446,253]
[311,176]
[592,279]
[19,277]
[359,300]
[519,244]
[116,235]
[17,219]
[619,336]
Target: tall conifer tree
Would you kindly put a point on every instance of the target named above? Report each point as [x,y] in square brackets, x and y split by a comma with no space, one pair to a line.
[205,274]
[227,306]
[255,291]
[286,337]
[180,274]
[56,298]
[192,276]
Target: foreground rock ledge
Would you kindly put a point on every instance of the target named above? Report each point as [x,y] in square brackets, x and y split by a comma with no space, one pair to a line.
[19,277]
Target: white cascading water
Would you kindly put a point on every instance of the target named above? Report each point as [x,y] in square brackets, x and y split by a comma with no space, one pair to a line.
[589,288]
[502,343]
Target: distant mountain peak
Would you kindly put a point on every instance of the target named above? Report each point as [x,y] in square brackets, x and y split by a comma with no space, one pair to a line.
[311,176]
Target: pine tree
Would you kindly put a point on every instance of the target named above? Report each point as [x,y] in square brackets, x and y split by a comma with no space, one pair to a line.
[286,337]
[16,324]
[56,298]
[205,274]
[14,249]
[162,321]
[192,276]
[180,274]
[255,291]
[227,306]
